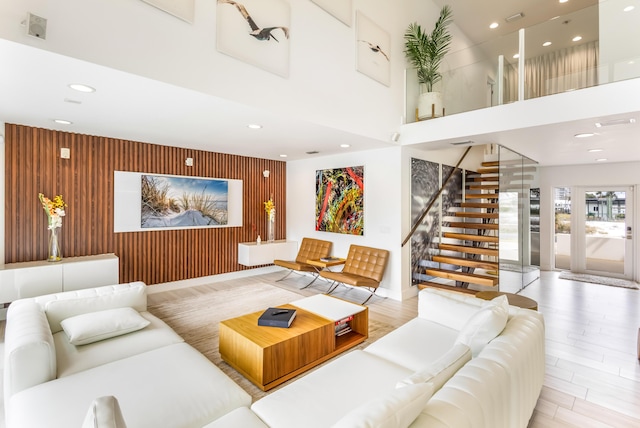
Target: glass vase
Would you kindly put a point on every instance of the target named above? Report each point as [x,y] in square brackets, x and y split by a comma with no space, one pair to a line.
[55,255]
[271,226]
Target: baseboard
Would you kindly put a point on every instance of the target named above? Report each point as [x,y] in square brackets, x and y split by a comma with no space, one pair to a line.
[193,282]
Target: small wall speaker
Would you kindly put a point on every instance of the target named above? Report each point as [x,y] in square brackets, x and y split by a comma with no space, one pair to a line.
[36,26]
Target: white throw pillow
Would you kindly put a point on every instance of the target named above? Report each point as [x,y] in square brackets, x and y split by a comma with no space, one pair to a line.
[104,412]
[485,325]
[441,370]
[398,409]
[95,326]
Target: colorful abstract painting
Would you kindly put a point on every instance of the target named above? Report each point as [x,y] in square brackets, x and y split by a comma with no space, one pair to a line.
[340,200]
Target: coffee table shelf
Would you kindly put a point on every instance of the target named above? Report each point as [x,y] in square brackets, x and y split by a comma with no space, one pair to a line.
[269,356]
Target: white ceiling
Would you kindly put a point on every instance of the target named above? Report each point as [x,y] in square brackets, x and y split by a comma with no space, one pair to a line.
[33,91]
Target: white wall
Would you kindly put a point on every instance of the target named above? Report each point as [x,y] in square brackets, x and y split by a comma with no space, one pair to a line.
[620,174]
[2,179]
[382,207]
[323,85]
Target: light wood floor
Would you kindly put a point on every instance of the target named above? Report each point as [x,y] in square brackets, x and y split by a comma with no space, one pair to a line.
[593,373]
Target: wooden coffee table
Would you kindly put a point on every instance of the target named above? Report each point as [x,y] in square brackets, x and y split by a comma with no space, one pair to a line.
[269,356]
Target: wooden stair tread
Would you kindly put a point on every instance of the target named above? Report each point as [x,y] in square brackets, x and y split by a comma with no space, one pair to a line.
[476,215]
[490,163]
[487,205]
[459,261]
[469,237]
[470,225]
[464,277]
[470,250]
[488,170]
[481,195]
[430,284]
[484,186]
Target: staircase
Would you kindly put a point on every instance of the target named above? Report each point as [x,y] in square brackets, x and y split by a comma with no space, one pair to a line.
[468,249]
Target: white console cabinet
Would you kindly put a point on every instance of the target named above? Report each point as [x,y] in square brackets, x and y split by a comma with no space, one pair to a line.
[30,279]
[254,254]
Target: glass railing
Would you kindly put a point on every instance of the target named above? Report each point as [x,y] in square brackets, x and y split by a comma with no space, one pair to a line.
[489,74]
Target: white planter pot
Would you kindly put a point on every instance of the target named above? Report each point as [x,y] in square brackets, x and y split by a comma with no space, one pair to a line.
[429,102]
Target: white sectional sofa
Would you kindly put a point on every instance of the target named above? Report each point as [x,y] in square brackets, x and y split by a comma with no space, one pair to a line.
[435,371]
[157,379]
[462,362]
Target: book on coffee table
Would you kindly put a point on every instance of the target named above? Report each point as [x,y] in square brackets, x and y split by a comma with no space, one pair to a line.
[277,317]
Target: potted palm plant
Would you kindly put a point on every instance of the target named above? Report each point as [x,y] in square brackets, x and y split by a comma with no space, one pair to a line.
[425,52]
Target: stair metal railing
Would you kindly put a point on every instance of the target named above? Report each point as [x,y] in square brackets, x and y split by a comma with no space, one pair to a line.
[434,198]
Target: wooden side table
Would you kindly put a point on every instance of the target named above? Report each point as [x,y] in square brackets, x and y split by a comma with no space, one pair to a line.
[514,299]
[320,265]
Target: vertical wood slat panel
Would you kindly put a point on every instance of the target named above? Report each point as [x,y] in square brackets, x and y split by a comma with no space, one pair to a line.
[33,165]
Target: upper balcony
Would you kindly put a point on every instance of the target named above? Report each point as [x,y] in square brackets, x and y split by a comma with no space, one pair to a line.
[521,81]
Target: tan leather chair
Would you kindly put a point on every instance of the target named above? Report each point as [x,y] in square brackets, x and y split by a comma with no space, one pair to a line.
[310,249]
[364,267]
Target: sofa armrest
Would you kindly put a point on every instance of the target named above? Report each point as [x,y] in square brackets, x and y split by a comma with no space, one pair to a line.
[30,354]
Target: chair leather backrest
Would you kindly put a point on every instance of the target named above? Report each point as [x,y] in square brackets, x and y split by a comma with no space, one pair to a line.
[366,261]
[313,249]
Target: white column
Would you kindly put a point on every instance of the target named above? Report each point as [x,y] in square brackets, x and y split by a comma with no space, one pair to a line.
[521,64]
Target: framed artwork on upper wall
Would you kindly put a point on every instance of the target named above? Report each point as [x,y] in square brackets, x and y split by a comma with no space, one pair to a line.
[183,9]
[339,9]
[340,200]
[372,50]
[256,32]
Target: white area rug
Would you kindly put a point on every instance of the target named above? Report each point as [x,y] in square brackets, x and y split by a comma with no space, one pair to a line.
[595,279]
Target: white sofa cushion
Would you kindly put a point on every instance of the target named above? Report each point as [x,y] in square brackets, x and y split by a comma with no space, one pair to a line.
[447,307]
[64,305]
[72,359]
[96,326]
[416,344]
[104,412]
[485,324]
[325,395]
[396,409]
[441,370]
[242,417]
[173,386]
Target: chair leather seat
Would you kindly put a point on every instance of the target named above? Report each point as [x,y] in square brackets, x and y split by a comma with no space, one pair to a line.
[351,279]
[293,265]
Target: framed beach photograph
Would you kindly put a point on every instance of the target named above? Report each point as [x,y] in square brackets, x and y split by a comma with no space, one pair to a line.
[342,10]
[372,50]
[340,200]
[144,202]
[183,9]
[256,32]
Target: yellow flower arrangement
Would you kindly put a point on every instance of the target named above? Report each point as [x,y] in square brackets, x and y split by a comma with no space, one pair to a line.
[270,208]
[54,209]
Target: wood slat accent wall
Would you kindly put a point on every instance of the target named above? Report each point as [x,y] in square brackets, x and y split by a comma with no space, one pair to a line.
[33,165]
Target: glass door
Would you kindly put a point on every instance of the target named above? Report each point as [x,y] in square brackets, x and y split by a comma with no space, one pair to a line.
[606,244]
[562,236]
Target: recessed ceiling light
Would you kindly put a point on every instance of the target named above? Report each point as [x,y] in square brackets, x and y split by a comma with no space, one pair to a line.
[602,160]
[345,145]
[577,38]
[494,25]
[254,126]
[283,156]
[562,1]
[82,88]
[62,121]
[628,8]
[584,135]
[545,44]
[516,56]
[594,150]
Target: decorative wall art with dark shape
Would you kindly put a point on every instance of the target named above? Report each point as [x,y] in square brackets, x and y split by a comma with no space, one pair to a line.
[372,50]
[256,32]
[340,200]
[183,9]
[339,9]
[425,182]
